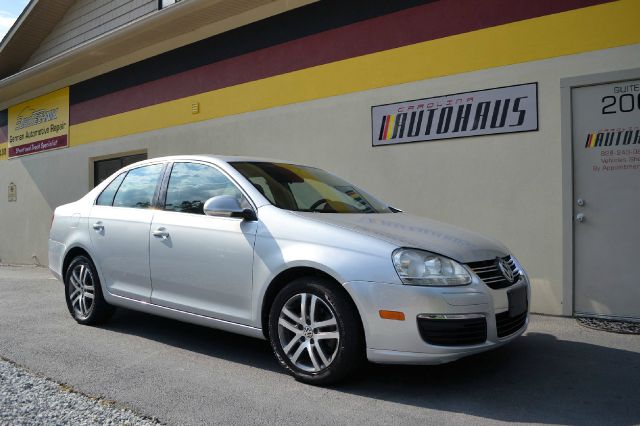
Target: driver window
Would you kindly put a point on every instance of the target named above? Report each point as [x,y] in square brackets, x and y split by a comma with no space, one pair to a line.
[191,184]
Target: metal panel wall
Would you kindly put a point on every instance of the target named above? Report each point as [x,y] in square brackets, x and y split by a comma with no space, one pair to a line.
[88,19]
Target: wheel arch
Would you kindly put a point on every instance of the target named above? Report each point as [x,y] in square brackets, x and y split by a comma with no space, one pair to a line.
[288,275]
[72,253]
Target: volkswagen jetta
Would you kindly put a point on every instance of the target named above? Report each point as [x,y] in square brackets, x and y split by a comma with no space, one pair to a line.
[326,272]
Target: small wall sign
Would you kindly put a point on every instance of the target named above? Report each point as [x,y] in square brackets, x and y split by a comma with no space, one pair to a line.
[40,124]
[13,192]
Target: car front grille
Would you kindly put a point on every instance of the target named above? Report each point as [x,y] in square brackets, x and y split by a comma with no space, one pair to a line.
[453,332]
[490,273]
[507,325]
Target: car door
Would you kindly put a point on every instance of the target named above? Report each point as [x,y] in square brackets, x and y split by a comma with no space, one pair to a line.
[119,225]
[201,264]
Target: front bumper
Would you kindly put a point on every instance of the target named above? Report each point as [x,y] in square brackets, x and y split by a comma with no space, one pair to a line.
[400,342]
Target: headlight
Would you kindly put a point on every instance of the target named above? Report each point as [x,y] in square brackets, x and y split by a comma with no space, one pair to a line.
[417,267]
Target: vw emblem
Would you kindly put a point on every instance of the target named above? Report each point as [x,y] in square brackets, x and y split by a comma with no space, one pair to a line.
[506,270]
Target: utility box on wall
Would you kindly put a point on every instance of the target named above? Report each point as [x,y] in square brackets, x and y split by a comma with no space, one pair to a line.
[12,193]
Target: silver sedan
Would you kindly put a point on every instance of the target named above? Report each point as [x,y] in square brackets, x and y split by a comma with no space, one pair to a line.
[329,274]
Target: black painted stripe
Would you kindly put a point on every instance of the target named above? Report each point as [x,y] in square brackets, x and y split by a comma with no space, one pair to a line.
[317,17]
[412,25]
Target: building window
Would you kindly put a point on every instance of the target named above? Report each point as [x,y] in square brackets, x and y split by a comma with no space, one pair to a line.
[102,169]
[164,3]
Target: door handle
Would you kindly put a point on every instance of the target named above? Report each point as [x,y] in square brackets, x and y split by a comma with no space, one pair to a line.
[98,226]
[160,233]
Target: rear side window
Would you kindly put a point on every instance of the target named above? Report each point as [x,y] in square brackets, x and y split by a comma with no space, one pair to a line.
[191,184]
[106,198]
[138,187]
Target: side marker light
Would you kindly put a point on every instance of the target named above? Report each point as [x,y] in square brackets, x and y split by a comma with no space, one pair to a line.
[392,315]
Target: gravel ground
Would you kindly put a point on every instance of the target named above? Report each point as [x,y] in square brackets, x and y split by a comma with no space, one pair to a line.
[612,326]
[26,399]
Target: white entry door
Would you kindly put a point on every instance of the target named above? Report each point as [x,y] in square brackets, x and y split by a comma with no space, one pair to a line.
[606,205]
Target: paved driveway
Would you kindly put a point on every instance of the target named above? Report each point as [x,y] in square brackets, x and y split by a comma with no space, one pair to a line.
[558,372]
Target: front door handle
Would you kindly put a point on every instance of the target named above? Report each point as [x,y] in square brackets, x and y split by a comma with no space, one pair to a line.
[98,226]
[160,233]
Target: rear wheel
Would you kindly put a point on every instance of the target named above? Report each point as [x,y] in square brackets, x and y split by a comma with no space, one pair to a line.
[84,294]
[315,331]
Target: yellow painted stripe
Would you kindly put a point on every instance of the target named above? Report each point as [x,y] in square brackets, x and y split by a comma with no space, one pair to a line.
[534,39]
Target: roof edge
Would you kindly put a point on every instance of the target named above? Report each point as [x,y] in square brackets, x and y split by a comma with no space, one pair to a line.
[17,24]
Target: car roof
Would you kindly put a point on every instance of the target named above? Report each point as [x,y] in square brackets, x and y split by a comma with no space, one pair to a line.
[216,159]
[219,160]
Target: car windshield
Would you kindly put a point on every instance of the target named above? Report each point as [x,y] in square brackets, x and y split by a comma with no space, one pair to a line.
[308,189]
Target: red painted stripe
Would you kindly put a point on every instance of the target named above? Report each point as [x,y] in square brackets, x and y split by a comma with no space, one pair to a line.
[387,119]
[422,23]
[43,145]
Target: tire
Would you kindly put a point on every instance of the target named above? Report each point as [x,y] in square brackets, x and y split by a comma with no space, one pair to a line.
[297,344]
[83,293]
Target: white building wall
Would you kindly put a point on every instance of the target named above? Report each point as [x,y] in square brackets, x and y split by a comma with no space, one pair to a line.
[506,186]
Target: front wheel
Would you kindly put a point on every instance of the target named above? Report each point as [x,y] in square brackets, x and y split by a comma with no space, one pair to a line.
[84,294]
[315,331]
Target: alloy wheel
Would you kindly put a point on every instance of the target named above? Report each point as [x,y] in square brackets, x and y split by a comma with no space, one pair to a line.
[308,332]
[81,291]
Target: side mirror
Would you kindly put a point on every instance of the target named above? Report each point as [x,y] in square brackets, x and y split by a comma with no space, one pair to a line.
[227,206]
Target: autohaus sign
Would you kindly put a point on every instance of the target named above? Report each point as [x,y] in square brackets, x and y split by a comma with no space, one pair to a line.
[485,112]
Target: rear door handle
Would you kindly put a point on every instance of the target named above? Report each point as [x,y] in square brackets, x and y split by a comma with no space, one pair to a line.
[160,233]
[98,226]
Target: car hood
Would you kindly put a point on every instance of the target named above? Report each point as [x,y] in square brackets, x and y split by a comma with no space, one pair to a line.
[405,230]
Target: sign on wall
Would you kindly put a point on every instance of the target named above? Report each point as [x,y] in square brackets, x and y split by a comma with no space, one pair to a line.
[12,193]
[41,124]
[485,112]
[613,127]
